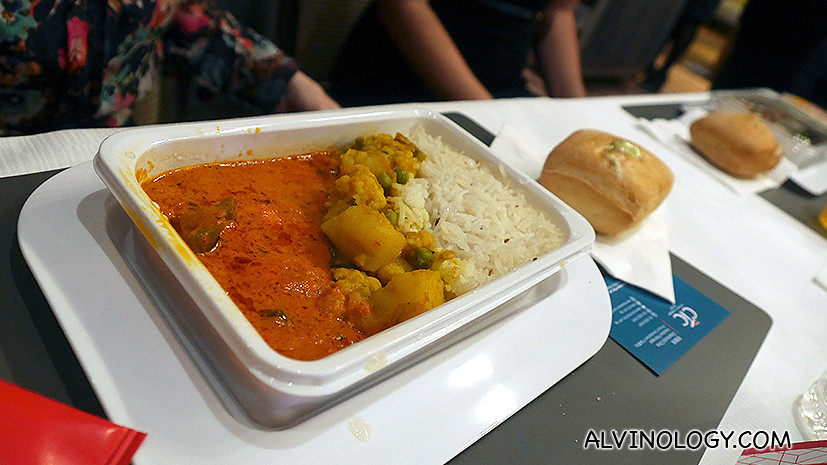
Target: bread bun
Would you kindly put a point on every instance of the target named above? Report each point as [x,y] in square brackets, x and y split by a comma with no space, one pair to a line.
[739,143]
[611,181]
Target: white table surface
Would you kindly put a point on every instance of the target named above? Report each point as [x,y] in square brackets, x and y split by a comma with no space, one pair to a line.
[740,240]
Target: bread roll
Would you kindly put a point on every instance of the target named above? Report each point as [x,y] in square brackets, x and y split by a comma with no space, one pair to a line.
[739,143]
[611,181]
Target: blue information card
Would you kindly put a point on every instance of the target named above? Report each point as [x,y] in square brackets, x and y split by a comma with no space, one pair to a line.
[653,330]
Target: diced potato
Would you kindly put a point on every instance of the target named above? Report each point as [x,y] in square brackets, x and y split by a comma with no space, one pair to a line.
[377,161]
[405,296]
[398,265]
[364,237]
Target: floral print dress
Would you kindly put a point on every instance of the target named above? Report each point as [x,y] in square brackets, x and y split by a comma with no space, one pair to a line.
[84,63]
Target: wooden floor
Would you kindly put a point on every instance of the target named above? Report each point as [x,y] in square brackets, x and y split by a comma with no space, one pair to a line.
[693,72]
[699,65]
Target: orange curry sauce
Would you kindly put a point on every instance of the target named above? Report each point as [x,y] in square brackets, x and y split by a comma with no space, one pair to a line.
[272,258]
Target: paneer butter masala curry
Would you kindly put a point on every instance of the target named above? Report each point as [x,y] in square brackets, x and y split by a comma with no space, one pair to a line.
[308,246]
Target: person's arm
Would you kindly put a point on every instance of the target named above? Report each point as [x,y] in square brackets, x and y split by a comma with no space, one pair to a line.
[558,50]
[423,41]
[303,93]
[225,56]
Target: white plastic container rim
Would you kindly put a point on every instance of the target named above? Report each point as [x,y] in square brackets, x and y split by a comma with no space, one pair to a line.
[127,157]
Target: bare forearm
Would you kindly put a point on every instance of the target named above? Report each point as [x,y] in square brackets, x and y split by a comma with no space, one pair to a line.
[425,44]
[304,94]
[559,51]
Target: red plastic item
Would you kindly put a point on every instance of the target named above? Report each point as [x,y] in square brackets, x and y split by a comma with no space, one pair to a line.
[36,430]
[807,452]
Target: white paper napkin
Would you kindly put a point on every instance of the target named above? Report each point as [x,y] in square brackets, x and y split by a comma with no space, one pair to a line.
[520,151]
[674,135]
[49,151]
[812,178]
[639,257]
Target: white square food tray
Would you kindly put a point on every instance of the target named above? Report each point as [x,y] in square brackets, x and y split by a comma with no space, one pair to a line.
[77,241]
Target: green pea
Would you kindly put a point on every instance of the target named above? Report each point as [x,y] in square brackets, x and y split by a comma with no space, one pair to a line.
[392,216]
[385,181]
[422,258]
[204,241]
[360,143]
[402,176]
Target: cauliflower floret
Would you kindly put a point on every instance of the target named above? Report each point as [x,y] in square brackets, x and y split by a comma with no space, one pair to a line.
[354,282]
[362,187]
[356,287]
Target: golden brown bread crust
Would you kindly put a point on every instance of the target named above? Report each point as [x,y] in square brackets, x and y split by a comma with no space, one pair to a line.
[739,143]
[609,180]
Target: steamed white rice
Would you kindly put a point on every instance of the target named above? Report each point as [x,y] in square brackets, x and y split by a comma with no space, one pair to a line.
[474,212]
